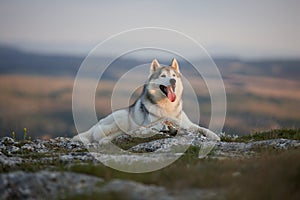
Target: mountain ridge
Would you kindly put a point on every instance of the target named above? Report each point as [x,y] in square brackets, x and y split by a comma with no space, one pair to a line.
[16,61]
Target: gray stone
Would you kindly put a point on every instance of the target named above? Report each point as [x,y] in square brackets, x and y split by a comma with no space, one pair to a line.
[9,161]
[54,185]
[244,150]
[45,185]
[77,156]
[174,144]
[7,141]
[136,191]
[59,185]
[28,147]
[139,191]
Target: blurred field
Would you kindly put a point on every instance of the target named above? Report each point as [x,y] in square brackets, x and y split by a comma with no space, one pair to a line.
[233,179]
[261,103]
[43,104]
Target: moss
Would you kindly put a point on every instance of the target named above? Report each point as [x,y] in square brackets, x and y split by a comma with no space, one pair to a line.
[133,141]
[34,166]
[99,195]
[187,171]
[270,177]
[292,134]
[272,174]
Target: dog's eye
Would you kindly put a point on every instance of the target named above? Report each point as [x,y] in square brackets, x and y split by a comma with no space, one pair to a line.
[163,75]
[174,75]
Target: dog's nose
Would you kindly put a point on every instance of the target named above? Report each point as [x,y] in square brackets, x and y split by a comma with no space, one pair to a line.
[172,81]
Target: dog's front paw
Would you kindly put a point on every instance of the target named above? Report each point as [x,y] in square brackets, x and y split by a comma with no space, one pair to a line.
[207,133]
[105,141]
[77,138]
[211,135]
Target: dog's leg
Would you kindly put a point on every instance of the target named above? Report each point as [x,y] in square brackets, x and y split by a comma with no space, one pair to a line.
[85,137]
[106,129]
[208,133]
[186,123]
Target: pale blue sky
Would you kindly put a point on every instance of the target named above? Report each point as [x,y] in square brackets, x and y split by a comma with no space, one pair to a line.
[249,29]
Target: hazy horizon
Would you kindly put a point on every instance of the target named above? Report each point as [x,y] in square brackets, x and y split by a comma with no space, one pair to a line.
[86,50]
[249,30]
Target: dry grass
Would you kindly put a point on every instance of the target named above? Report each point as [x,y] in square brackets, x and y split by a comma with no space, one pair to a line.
[35,102]
[265,86]
[273,175]
[269,177]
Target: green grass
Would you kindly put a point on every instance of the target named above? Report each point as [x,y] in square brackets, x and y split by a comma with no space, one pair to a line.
[190,158]
[132,141]
[270,176]
[292,134]
[98,195]
[33,166]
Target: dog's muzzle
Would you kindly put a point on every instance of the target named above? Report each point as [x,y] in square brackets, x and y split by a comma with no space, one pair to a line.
[169,91]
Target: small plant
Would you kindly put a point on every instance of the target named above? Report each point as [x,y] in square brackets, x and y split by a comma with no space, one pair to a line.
[292,134]
[24,133]
[13,135]
[228,138]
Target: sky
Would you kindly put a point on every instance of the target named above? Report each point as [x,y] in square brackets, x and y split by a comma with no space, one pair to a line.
[246,29]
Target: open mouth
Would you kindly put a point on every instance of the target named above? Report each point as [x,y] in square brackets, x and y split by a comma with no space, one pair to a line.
[169,91]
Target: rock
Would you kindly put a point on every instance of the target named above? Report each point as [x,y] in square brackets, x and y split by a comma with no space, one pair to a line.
[244,150]
[78,156]
[136,190]
[277,143]
[28,147]
[171,138]
[66,151]
[45,185]
[59,185]
[9,161]
[182,139]
[7,141]
[53,185]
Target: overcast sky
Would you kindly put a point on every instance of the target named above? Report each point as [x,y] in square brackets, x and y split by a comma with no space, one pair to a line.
[248,29]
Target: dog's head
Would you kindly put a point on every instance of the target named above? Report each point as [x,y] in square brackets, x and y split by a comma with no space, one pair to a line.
[165,82]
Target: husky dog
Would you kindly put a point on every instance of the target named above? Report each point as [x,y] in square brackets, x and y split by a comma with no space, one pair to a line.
[161,98]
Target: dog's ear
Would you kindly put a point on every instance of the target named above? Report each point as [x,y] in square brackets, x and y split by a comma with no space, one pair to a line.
[175,64]
[154,66]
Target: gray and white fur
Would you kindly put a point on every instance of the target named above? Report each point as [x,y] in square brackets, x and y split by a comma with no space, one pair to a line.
[161,98]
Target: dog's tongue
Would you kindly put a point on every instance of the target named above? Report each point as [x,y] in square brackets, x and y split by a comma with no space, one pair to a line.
[171,94]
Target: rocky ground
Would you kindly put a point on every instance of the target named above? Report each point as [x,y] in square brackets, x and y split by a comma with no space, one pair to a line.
[42,169]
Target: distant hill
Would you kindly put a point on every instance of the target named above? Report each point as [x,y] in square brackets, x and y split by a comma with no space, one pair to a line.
[287,69]
[15,61]
[261,95]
